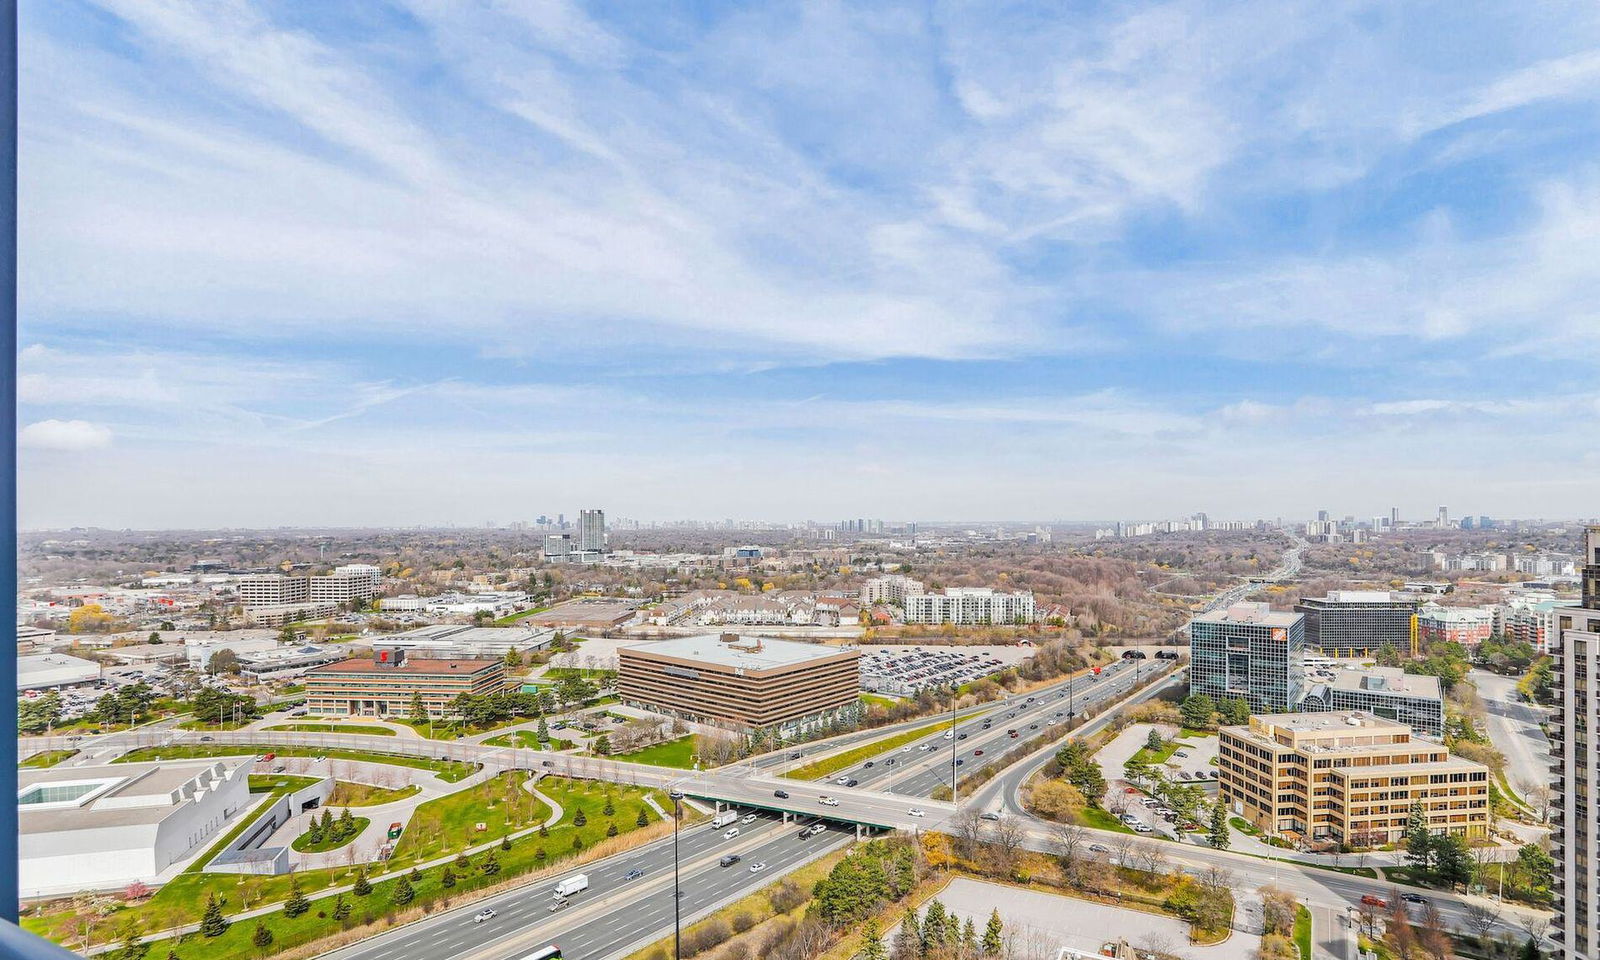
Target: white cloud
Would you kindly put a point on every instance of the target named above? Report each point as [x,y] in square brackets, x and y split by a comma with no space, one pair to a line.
[69,435]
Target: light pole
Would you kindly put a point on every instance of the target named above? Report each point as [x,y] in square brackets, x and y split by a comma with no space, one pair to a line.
[953,745]
[677,903]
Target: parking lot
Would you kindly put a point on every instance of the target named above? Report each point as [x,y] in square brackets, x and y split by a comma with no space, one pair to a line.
[903,672]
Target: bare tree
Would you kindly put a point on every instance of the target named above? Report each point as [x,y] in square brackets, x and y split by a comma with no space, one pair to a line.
[1122,847]
[1367,918]
[1214,877]
[1433,933]
[969,832]
[1481,918]
[1534,925]
[1538,795]
[1066,839]
[1152,859]
[1005,842]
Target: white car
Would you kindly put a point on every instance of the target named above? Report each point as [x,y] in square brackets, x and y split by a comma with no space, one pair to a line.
[748,818]
[486,913]
[828,801]
[905,749]
[1139,828]
[758,866]
[843,779]
[731,834]
[949,735]
[914,812]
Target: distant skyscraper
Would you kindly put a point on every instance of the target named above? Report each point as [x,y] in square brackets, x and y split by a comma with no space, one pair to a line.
[1576,828]
[1322,516]
[1444,516]
[1394,516]
[592,531]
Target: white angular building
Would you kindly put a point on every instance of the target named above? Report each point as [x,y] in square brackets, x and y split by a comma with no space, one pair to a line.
[967,606]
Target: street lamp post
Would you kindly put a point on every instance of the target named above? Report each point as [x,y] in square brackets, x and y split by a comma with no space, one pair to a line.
[677,903]
[953,743]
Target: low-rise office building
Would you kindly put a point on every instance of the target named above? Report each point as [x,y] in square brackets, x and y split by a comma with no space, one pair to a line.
[1468,626]
[386,684]
[1387,692]
[742,683]
[104,826]
[1349,778]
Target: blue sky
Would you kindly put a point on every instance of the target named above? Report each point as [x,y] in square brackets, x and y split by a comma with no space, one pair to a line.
[442,261]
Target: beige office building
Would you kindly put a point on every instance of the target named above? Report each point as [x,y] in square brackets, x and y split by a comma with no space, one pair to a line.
[742,683]
[1347,777]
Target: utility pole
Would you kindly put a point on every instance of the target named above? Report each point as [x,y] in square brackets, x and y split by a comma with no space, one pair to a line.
[953,743]
[677,901]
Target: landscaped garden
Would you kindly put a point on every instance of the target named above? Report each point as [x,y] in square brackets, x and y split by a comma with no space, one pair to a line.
[672,753]
[328,832]
[366,729]
[47,758]
[347,793]
[451,771]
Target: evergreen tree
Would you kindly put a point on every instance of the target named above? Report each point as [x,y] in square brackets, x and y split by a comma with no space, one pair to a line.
[347,824]
[1419,842]
[262,938]
[416,876]
[579,818]
[872,942]
[543,732]
[132,947]
[314,832]
[172,955]
[539,855]
[544,830]
[1197,711]
[992,940]
[932,928]
[1452,864]
[1530,950]
[1234,712]
[297,902]
[505,842]
[1154,742]
[602,745]
[908,942]
[341,907]
[419,710]
[211,923]
[362,886]
[642,820]
[609,809]
[490,865]
[969,938]
[577,844]
[1217,835]
[447,879]
[513,658]
[611,828]
[403,892]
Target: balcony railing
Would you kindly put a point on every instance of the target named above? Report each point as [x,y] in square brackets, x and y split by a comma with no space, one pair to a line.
[18,944]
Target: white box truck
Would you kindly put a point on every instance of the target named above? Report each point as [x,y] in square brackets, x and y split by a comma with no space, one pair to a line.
[567,886]
[724,818]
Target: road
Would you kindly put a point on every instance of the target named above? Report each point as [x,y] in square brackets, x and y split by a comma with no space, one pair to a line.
[1514,729]
[615,914]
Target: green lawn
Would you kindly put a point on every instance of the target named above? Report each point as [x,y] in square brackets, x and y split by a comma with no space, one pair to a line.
[513,618]
[350,728]
[450,771]
[527,739]
[673,753]
[1155,757]
[850,758]
[1302,931]
[455,730]
[304,844]
[235,944]
[1099,819]
[348,794]
[47,758]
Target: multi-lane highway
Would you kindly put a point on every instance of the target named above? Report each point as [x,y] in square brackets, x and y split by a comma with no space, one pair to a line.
[629,900]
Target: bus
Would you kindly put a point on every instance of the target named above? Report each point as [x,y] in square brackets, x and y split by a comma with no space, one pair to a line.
[551,952]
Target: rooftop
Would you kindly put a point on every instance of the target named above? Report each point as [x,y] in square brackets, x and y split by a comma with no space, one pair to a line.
[1387,680]
[750,653]
[1251,613]
[115,794]
[1343,720]
[408,666]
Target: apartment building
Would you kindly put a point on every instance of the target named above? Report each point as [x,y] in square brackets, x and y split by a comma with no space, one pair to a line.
[966,606]
[1348,778]
[592,531]
[1575,825]
[742,683]
[1357,623]
[1249,650]
[1468,626]
[891,588]
[1529,619]
[386,684]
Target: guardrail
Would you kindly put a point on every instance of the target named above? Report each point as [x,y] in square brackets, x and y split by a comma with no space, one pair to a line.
[18,944]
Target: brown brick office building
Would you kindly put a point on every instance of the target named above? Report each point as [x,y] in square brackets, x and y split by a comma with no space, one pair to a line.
[742,683]
[383,685]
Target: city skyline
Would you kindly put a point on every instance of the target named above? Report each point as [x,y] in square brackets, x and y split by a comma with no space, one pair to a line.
[908,261]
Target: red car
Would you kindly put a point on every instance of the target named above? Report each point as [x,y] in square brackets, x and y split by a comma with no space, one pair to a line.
[1372,900]
[977,753]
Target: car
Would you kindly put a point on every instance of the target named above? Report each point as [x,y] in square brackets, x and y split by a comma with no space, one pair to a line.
[795,755]
[1373,900]
[758,866]
[828,801]
[279,768]
[959,761]
[730,834]
[961,737]
[547,763]
[487,913]
[889,762]
[1140,828]
[989,815]
[635,873]
[948,735]
[1099,848]
[730,860]
[851,782]
[1033,727]
[748,818]
[868,763]
[207,739]
[781,794]
[1413,898]
[812,830]
[395,830]
[914,812]
[1182,754]
[905,749]
[977,753]
[925,746]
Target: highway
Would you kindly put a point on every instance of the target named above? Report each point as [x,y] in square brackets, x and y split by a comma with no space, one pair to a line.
[615,914]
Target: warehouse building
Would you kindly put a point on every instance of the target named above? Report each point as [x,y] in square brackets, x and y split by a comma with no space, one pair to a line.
[781,687]
[51,670]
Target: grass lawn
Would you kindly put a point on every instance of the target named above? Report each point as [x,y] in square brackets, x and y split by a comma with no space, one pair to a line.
[849,758]
[47,758]
[1302,931]
[1102,820]
[454,729]
[673,753]
[510,619]
[349,794]
[1156,757]
[351,728]
[224,725]
[527,739]
[1244,826]
[304,843]
[450,771]
[235,943]
[873,699]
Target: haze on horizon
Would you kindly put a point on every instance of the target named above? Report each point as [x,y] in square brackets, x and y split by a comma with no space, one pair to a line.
[414,263]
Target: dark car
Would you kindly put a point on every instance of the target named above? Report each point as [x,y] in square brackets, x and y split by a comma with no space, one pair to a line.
[961,736]
[635,873]
[795,755]
[781,794]
[730,860]
[547,763]
[867,764]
